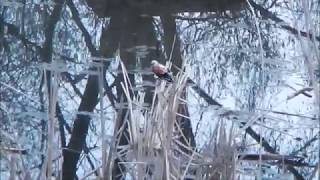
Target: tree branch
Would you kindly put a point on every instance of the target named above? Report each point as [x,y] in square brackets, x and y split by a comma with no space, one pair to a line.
[308,143]
[14,31]
[301,91]
[266,14]
[276,158]
[156,8]
[85,33]
[249,130]
[203,94]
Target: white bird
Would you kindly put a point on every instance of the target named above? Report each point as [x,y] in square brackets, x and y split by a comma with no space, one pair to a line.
[161,71]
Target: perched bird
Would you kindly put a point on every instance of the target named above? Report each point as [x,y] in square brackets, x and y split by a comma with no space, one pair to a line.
[161,71]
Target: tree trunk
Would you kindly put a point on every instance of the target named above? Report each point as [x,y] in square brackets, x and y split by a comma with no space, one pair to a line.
[109,43]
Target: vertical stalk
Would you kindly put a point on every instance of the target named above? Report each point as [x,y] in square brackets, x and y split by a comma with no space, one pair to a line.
[52,89]
[104,145]
[49,141]
[261,54]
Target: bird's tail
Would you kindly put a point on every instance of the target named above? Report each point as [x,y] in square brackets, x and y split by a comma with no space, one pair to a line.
[168,77]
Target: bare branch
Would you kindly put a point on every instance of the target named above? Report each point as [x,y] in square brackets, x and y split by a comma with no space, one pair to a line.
[249,130]
[301,91]
[14,31]
[203,94]
[307,144]
[267,14]
[85,33]
[13,150]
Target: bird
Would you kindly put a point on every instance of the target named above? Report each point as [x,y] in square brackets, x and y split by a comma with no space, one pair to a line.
[161,71]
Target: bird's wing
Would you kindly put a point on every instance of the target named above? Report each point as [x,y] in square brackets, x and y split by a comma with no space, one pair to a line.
[159,69]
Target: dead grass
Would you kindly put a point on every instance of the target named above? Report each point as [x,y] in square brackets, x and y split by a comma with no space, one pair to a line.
[154,151]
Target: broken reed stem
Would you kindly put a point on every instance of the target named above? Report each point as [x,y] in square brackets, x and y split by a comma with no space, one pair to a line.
[51,91]
[102,119]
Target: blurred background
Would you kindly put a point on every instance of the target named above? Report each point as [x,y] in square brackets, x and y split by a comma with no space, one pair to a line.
[247,79]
